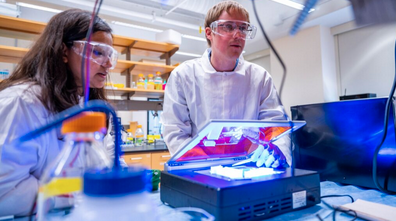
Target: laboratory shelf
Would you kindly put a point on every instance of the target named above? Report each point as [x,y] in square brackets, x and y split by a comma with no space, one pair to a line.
[9,54]
[29,30]
[135,92]
[145,47]
[21,25]
[137,46]
[137,67]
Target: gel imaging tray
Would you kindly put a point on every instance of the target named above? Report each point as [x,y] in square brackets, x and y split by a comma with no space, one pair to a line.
[201,173]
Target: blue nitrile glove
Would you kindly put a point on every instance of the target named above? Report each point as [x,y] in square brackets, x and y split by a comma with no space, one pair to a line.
[269,156]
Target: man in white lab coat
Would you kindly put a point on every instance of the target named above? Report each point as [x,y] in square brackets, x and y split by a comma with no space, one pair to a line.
[222,85]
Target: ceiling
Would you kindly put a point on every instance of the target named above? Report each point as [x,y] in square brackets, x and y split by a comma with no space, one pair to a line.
[186,16]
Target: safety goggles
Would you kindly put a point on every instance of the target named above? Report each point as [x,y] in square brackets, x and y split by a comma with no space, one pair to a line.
[98,52]
[230,28]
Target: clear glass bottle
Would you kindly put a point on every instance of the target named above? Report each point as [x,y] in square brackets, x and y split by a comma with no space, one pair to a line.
[139,136]
[61,182]
[158,81]
[140,82]
[150,82]
[115,195]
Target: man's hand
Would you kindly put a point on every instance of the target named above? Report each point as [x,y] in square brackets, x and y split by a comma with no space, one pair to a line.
[269,156]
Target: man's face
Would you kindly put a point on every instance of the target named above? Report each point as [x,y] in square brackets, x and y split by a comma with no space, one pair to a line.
[227,48]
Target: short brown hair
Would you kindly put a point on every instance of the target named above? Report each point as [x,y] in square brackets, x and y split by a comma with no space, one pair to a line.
[228,6]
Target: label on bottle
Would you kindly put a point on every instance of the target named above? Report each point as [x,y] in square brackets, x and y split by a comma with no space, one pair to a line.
[57,194]
[140,85]
[158,86]
[150,85]
[60,186]
[139,141]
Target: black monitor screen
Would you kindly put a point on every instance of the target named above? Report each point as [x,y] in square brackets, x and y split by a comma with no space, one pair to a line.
[339,140]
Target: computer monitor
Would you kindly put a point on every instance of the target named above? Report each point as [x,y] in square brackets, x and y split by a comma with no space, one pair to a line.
[339,140]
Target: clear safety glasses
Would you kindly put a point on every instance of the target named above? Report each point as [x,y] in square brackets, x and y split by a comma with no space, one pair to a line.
[228,28]
[99,53]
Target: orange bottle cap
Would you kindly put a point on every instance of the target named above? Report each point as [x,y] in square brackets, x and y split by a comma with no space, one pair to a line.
[139,126]
[85,122]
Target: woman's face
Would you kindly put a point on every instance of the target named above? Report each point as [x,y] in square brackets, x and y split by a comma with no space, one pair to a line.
[98,72]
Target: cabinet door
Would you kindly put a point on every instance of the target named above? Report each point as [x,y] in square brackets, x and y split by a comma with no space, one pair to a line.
[143,159]
[159,159]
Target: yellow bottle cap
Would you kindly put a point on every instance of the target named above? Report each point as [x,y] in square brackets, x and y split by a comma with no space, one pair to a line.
[140,75]
[139,126]
[150,75]
[85,122]
[158,73]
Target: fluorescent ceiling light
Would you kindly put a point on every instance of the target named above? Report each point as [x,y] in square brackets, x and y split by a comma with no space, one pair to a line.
[292,4]
[136,26]
[194,38]
[38,7]
[188,54]
[118,11]
[155,30]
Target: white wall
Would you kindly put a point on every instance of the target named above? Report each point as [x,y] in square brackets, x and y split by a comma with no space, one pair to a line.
[367,60]
[264,62]
[329,72]
[311,69]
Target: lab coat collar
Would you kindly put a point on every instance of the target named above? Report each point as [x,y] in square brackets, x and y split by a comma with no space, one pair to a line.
[208,68]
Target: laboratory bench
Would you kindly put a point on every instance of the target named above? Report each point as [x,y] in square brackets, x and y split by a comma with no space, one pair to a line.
[154,147]
[152,156]
[311,213]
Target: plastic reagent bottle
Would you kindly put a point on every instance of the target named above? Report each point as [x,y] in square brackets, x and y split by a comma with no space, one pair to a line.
[158,81]
[139,136]
[156,127]
[115,195]
[140,82]
[129,138]
[150,82]
[61,182]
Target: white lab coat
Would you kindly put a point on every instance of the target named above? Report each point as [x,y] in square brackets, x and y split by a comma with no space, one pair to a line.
[22,166]
[196,93]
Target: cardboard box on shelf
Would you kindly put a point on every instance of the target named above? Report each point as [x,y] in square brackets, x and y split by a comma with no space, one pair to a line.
[133,126]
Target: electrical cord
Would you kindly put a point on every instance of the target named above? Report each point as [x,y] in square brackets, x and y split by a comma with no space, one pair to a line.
[86,52]
[273,49]
[291,124]
[388,108]
[338,209]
